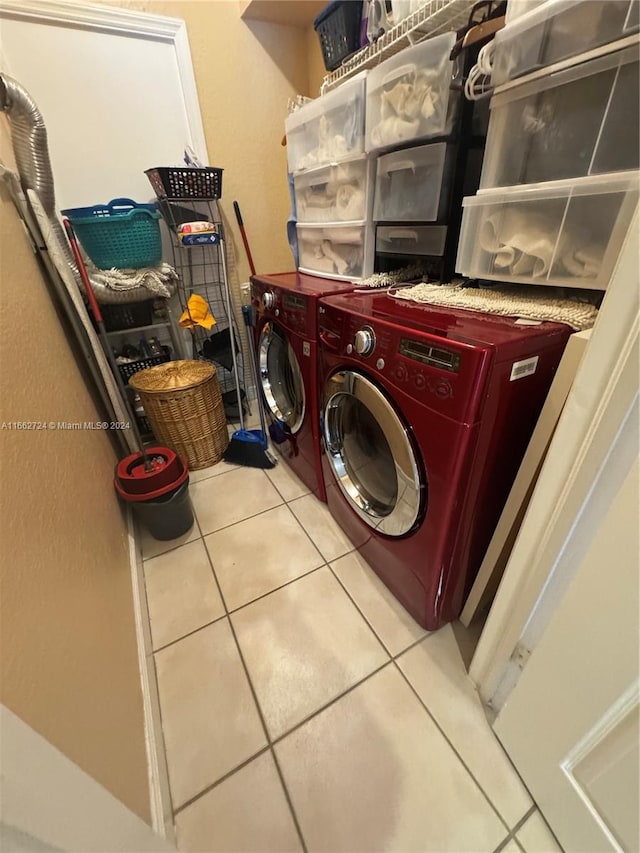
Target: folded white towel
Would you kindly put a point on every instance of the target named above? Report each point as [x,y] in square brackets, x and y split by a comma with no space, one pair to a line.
[526,244]
[161,280]
[522,242]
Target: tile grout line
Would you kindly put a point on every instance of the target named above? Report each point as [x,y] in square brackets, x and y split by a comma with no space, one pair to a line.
[189,634]
[258,708]
[236,609]
[219,781]
[331,702]
[279,739]
[309,537]
[394,659]
[457,754]
[277,588]
[268,737]
[241,520]
[355,604]
[518,826]
[287,500]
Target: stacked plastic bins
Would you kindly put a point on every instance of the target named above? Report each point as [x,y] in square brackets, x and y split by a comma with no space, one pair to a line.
[560,178]
[412,125]
[332,179]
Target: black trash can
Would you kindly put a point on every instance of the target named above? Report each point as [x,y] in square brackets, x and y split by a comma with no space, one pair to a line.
[168,516]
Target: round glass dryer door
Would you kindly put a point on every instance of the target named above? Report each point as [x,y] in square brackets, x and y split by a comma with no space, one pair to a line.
[281,377]
[371,454]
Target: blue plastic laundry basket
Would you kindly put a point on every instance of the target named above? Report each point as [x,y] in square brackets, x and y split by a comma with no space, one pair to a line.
[121,234]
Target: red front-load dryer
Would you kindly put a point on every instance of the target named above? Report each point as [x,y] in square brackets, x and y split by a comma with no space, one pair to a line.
[426,413]
[286,335]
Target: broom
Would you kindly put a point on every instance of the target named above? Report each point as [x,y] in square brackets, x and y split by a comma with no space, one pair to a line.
[246,447]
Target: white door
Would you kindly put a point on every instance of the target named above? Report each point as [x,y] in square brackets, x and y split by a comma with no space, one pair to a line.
[49,803]
[115,88]
[571,723]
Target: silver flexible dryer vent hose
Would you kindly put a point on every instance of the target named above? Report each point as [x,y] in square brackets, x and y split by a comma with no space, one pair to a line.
[31,150]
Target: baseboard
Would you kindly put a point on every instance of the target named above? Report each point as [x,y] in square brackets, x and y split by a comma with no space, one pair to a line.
[159,793]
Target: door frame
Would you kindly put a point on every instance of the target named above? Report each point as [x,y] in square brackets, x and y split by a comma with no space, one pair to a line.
[540,565]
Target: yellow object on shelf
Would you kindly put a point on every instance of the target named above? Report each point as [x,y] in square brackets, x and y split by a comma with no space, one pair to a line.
[197,313]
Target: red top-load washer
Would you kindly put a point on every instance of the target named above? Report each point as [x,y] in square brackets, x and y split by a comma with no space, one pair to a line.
[286,335]
[426,413]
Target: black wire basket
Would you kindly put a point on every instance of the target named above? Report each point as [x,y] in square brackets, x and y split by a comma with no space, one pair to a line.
[129,368]
[181,183]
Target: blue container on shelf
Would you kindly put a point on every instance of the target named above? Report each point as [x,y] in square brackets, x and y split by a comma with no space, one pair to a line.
[120,234]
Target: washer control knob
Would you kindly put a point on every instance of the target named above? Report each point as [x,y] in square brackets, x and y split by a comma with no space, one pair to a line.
[364,341]
[268,299]
[349,349]
[380,363]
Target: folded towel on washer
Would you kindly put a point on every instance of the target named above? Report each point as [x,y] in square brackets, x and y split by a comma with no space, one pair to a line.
[508,300]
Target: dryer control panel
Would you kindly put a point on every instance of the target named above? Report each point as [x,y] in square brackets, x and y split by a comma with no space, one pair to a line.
[291,310]
[437,371]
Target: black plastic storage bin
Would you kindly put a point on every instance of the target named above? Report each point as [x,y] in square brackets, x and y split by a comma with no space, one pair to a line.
[338,28]
[127,315]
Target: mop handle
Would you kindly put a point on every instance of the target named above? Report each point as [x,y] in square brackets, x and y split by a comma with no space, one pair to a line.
[247,314]
[93,302]
[236,207]
[231,330]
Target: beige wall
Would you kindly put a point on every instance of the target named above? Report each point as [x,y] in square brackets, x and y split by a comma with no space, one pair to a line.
[69,656]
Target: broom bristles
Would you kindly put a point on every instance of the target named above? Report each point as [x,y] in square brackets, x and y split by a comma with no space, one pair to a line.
[246,448]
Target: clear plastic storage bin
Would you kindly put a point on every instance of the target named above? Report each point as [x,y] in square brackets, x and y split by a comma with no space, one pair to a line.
[567,233]
[411,240]
[408,184]
[340,193]
[558,30]
[580,121]
[336,251]
[408,94]
[328,129]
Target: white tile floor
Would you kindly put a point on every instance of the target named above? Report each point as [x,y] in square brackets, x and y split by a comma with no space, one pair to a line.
[302,707]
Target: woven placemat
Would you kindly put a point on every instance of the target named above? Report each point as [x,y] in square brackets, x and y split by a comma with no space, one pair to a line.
[510,301]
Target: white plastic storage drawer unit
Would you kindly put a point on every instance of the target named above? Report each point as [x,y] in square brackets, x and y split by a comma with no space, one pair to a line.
[336,251]
[408,184]
[580,121]
[339,193]
[411,239]
[328,129]
[566,233]
[558,30]
[408,94]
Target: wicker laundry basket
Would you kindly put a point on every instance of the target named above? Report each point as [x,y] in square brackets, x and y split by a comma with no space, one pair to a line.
[183,403]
